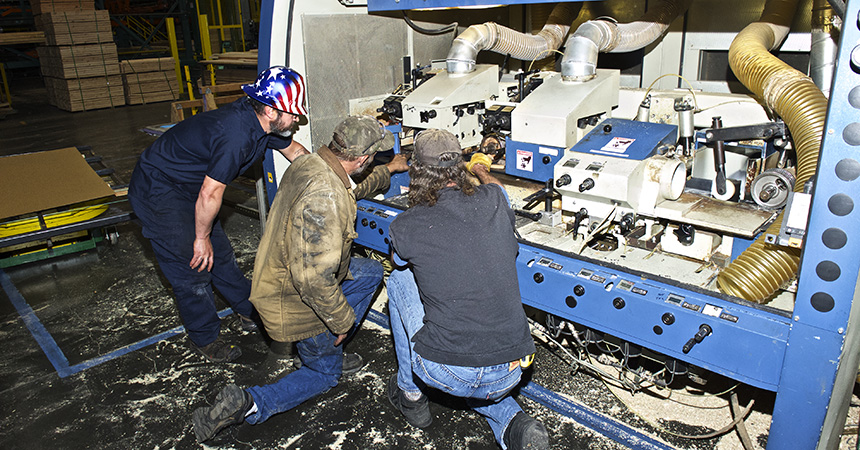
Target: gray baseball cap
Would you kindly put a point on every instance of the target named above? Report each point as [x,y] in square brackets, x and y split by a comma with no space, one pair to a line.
[431,144]
[361,135]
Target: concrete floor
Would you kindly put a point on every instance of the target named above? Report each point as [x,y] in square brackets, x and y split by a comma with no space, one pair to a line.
[105,319]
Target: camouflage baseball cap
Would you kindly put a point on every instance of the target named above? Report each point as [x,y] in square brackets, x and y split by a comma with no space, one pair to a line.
[431,144]
[361,135]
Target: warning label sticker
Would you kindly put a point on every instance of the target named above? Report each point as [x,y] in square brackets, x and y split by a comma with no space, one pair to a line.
[618,145]
[525,160]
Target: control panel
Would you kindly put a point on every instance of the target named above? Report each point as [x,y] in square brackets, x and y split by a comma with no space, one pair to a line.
[742,342]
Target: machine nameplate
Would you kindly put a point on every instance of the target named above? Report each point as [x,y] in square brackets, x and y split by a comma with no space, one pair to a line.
[729,317]
[691,306]
[598,278]
[640,291]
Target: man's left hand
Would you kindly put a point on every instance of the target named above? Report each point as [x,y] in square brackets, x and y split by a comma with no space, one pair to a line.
[339,339]
[397,164]
[203,255]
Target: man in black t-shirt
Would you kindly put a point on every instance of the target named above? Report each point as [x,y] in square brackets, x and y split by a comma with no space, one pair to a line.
[456,313]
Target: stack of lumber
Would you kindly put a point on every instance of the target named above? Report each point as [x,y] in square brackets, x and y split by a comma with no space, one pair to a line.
[22,37]
[49,6]
[231,67]
[149,80]
[79,65]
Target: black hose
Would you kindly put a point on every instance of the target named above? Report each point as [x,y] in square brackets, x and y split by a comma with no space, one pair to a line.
[419,29]
[289,31]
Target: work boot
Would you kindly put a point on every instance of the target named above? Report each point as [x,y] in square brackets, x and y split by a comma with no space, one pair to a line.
[219,351]
[526,433]
[352,363]
[280,360]
[248,324]
[231,406]
[417,413]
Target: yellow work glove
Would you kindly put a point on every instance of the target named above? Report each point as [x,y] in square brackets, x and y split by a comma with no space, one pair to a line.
[479,158]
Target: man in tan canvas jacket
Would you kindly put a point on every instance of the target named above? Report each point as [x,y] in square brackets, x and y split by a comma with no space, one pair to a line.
[306,286]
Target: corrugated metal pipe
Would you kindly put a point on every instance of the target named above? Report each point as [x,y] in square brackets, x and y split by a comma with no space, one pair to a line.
[494,37]
[763,268]
[603,36]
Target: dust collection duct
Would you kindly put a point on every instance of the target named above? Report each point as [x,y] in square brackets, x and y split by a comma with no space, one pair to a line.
[763,268]
[603,36]
[494,37]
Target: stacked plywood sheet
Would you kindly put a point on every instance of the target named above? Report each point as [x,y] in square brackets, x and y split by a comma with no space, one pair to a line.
[79,65]
[75,27]
[149,80]
[47,6]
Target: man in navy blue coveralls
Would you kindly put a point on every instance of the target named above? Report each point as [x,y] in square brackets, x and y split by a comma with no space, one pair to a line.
[176,192]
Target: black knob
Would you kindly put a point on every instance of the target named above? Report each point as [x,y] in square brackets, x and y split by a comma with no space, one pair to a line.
[372,225]
[607,128]
[364,222]
[587,184]
[563,180]
[546,159]
[538,277]
[668,318]
[579,290]
[431,114]
[704,331]
[570,301]
[618,302]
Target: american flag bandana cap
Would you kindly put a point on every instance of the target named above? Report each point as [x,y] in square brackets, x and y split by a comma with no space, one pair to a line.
[281,88]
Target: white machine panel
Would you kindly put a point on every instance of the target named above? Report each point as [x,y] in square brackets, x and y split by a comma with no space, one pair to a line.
[549,115]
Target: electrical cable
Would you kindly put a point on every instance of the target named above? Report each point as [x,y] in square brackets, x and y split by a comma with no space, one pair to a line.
[541,53]
[690,88]
[451,27]
[622,382]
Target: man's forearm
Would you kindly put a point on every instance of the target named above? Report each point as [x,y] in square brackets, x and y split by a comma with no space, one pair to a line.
[205,211]
[484,175]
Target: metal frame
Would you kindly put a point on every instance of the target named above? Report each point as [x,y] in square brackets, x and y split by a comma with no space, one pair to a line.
[815,349]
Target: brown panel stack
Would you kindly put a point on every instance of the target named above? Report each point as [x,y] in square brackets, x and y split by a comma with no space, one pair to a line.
[149,80]
[79,65]
[48,6]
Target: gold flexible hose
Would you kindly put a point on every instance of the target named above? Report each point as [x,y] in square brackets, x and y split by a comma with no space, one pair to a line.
[763,268]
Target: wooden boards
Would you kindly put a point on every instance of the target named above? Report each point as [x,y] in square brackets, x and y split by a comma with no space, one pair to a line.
[79,61]
[75,27]
[83,94]
[23,37]
[149,80]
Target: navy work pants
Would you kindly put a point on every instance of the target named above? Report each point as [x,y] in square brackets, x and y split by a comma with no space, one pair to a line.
[168,223]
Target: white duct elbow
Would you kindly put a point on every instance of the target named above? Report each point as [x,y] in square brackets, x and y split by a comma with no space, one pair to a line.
[461,57]
[580,55]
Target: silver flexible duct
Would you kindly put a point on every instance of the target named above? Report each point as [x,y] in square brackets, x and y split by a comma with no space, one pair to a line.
[494,37]
[596,36]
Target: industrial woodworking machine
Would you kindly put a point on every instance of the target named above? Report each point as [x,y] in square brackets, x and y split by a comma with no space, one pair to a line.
[709,228]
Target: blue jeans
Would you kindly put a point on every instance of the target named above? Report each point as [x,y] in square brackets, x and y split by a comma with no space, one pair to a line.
[168,223]
[484,388]
[322,361]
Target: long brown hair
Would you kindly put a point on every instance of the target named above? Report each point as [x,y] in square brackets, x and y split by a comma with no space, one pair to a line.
[426,181]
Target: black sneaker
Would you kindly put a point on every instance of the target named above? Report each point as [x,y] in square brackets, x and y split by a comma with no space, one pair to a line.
[248,324]
[352,363]
[417,413]
[526,433]
[219,351]
[230,407]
